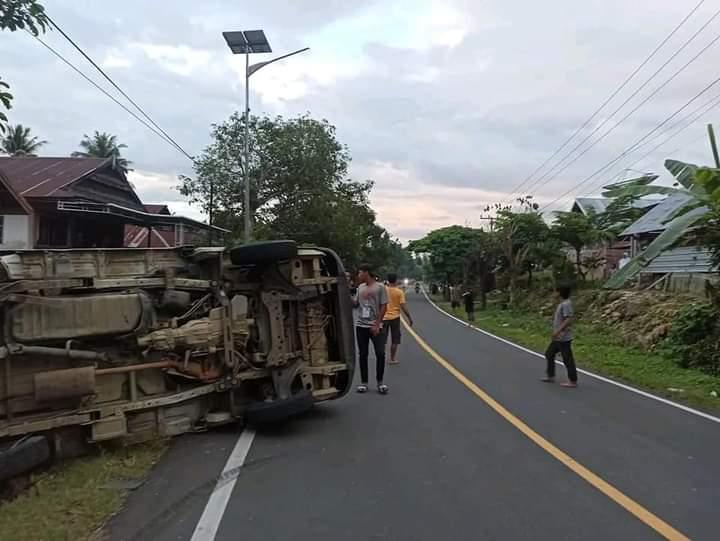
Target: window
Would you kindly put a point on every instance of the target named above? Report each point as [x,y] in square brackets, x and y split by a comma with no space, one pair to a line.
[2,226]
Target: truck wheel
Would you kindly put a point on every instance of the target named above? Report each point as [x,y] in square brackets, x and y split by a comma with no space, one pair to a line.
[24,456]
[263,252]
[263,413]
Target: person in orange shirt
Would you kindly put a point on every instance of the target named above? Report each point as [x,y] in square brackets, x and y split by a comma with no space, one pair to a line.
[396,305]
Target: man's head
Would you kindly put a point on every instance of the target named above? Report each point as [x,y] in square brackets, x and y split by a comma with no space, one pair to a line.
[365,274]
[392,279]
[564,292]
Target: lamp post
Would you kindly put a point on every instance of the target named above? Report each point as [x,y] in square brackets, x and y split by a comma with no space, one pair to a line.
[249,42]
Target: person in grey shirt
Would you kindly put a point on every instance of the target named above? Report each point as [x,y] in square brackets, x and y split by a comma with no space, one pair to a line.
[562,336]
[371,302]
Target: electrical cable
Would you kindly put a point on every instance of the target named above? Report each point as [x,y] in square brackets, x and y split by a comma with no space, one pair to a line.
[635,145]
[101,89]
[538,182]
[112,82]
[609,99]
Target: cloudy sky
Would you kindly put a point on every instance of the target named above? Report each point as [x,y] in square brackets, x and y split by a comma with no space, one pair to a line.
[447,105]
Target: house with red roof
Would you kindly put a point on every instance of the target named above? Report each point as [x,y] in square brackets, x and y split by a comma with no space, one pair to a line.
[84,203]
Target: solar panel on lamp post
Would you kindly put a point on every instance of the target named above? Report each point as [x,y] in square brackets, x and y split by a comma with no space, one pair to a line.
[249,42]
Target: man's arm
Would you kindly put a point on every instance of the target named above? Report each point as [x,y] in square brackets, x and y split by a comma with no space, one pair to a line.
[564,325]
[379,320]
[405,310]
[567,313]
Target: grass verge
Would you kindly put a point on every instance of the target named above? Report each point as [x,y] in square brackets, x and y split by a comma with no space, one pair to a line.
[596,349]
[72,499]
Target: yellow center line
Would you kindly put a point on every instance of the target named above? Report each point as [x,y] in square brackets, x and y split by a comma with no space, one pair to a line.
[630,505]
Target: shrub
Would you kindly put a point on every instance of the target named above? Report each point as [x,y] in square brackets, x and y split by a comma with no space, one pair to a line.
[694,338]
[564,273]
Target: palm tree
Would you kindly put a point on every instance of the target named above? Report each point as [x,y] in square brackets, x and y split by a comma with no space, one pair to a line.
[103,145]
[18,142]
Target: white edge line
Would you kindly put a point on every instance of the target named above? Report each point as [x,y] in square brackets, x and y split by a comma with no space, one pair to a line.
[587,373]
[209,522]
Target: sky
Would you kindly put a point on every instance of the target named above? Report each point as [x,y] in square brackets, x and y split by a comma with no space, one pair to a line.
[447,105]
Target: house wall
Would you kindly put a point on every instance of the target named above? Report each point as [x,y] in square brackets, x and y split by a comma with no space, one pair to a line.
[16,232]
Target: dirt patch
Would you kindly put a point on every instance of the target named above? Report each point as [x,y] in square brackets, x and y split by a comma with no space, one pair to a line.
[640,318]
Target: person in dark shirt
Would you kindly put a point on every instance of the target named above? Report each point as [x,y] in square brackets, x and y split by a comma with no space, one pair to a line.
[562,336]
[469,302]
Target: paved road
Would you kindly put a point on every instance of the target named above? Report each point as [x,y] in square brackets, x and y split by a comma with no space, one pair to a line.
[434,461]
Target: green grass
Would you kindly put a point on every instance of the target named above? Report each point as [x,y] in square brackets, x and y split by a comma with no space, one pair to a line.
[599,350]
[73,499]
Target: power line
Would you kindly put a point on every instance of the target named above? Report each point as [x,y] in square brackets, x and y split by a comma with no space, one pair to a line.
[101,89]
[110,80]
[610,98]
[635,145]
[555,174]
[706,107]
[633,111]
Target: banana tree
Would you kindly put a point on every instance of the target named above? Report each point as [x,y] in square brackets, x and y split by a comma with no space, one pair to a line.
[699,187]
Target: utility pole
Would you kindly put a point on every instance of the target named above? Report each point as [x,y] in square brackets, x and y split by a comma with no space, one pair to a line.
[490,219]
[713,145]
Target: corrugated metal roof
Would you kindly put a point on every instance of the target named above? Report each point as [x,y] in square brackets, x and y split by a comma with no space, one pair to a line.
[600,204]
[654,220]
[689,259]
[40,177]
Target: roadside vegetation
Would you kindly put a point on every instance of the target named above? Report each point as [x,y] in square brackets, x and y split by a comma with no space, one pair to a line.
[601,348]
[662,341]
[73,499]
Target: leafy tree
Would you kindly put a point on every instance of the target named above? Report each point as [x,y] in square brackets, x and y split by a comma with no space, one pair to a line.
[523,236]
[622,211]
[19,142]
[482,260]
[577,231]
[103,145]
[299,186]
[447,249]
[291,162]
[19,15]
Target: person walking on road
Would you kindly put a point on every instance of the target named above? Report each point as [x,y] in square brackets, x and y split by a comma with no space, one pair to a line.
[371,301]
[391,322]
[562,336]
[469,302]
[455,298]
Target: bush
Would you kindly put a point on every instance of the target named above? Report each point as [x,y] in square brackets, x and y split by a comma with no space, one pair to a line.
[694,338]
[564,273]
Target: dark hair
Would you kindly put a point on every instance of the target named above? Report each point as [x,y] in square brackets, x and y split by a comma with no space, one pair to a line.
[392,278]
[366,267]
[564,291]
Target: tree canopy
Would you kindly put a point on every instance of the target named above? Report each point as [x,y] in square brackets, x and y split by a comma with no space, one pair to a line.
[19,15]
[299,188]
[19,142]
[103,145]
[447,249]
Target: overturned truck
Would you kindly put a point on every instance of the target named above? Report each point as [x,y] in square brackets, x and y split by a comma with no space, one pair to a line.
[131,344]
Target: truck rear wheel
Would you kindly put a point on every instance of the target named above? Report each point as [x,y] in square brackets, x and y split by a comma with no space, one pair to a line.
[263,252]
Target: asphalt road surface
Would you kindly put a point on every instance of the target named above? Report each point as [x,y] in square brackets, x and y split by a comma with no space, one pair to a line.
[469,444]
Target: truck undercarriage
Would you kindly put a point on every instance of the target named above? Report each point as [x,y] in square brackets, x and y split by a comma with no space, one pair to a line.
[132,344]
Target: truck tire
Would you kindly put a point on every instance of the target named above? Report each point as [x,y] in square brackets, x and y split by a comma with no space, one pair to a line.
[258,253]
[23,457]
[261,413]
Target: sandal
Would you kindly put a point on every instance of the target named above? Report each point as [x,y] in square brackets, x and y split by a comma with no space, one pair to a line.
[362,388]
[382,388]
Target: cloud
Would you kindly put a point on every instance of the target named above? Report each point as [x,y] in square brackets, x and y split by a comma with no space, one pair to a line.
[448,105]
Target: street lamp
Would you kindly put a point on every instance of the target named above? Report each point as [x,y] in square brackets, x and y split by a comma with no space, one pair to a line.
[249,42]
